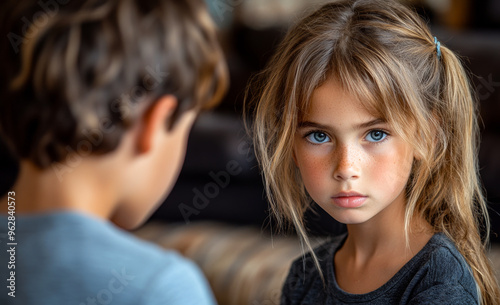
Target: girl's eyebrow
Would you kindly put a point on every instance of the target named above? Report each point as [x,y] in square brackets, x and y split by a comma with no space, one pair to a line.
[307,124]
[371,123]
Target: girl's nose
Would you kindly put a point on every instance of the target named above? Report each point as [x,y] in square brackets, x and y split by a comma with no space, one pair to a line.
[346,163]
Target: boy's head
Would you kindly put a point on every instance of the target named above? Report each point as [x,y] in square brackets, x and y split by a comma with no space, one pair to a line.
[82,72]
[93,79]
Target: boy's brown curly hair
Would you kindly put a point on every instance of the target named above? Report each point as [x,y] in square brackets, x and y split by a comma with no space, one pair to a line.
[77,74]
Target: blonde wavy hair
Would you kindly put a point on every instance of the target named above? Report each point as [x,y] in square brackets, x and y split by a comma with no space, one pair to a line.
[384,54]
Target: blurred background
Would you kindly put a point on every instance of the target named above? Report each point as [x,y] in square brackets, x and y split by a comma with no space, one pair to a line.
[250,31]
[217,214]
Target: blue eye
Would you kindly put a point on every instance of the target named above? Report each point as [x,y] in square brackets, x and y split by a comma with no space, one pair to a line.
[376,136]
[317,137]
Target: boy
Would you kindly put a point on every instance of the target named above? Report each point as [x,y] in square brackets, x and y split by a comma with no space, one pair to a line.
[98,98]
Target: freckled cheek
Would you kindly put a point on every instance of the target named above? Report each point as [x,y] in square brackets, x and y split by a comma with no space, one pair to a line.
[313,168]
[391,169]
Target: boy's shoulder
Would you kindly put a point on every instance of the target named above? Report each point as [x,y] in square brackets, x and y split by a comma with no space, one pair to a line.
[86,237]
[94,255]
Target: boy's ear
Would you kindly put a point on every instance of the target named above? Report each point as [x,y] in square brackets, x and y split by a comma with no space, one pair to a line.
[154,121]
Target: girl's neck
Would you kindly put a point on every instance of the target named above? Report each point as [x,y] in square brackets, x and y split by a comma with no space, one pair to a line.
[376,250]
[366,242]
[385,234]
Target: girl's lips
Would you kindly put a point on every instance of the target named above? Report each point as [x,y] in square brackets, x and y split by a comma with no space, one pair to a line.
[353,201]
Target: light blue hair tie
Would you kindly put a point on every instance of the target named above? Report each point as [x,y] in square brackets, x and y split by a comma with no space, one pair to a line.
[438,47]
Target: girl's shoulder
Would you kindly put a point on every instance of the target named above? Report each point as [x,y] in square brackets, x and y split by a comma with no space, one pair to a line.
[439,254]
[440,273]
[324,252]
[437,272]
[440,262]
[304,276]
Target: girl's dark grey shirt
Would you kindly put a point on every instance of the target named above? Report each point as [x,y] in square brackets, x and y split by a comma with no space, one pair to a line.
[438,274]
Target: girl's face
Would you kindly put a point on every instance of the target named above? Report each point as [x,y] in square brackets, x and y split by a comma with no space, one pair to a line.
[352,164]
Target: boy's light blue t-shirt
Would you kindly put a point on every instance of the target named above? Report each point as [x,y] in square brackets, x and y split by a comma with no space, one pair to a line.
[69,258]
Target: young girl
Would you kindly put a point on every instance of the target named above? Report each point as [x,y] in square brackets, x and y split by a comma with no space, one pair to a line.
[364,112]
